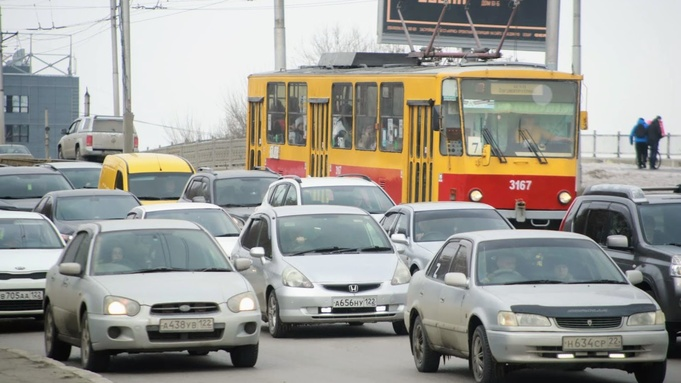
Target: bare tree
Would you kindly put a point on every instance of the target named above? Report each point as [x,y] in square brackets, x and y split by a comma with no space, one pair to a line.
[234,123]
[184,132]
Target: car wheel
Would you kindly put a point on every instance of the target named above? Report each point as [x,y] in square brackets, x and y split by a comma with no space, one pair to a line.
[54,348]
[425,358]
[60,154]
[651,373]
[90,359]
[79,157]
[197,353]
[244,356]
[400,328]
[276,327]
[485,369]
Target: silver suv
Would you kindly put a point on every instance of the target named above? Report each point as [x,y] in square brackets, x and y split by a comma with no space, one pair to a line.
[348,190]
[93,137]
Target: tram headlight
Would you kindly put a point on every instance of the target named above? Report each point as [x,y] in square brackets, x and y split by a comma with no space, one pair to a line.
[475,195]
[564,197]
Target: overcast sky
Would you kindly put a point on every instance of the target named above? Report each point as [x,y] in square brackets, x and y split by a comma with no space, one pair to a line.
[188,56]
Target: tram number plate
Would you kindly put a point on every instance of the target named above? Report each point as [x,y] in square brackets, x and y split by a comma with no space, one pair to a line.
[186,325]
[31,295]
[578,343]
[354,302]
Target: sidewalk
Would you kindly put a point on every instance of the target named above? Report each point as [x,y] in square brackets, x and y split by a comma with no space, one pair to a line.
[19,366]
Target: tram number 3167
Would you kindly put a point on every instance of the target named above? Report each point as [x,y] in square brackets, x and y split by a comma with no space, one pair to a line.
[519,185]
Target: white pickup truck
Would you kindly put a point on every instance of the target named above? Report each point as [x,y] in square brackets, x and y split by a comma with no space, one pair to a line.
[93,137]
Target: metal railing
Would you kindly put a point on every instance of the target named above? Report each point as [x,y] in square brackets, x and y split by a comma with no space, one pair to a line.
[231,153]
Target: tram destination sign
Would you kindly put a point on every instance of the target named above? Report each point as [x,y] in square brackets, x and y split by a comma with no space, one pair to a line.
[527,31]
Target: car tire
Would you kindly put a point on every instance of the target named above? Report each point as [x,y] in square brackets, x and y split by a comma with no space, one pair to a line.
[54,348]
[400,328]
[90,359]
[244,356]
[79,157]
[651,372]
[425,358]
[60,154]
[482,364]
[276,328]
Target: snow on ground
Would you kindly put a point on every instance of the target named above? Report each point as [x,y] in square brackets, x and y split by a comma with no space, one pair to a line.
[627,173]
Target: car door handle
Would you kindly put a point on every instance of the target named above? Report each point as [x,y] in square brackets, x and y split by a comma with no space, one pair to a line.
[442,300]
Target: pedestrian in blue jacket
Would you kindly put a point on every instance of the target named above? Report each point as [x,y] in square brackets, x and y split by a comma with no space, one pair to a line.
[639,135]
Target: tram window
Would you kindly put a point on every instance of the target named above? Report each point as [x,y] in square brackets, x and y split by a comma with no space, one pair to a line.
[297,113]
[366,107]
[342,114]
[391,125]
[276,113]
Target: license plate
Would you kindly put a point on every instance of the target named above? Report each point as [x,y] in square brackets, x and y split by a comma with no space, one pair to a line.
[32,295]
[186,325]
[580,343]
[354,302]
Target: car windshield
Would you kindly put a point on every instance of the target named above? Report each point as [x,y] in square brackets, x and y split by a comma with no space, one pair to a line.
[20,186]
[331,234]
[159,250]
[17,233]
[370,198]
[543,261]
[438,225]
[244,191]
[82,178]
[157,186]
[661,223]
[217,222]
[95,207]
[108,126]
[14,149]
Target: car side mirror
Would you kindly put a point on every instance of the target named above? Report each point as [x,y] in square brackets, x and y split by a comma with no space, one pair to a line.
[456,280]
[617,241]
[242,264]
[257,252]
[64,131]
[70,268]
[399,238]
[635,276]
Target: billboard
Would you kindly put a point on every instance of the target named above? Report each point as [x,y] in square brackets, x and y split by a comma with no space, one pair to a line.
[527,32]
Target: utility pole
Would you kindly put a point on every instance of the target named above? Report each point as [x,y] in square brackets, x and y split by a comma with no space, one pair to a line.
[2,86]
[128,117]
[114,59]
[552,29]
[279,36]
[577,69]
[47,134]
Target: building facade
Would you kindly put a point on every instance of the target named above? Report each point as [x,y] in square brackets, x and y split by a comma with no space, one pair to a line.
[29,97]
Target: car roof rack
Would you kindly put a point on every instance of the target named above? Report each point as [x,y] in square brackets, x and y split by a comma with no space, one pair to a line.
[670,189]
[634,193]
[365,177]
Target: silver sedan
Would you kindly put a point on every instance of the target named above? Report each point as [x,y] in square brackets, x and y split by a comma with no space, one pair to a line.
[148,286]
[512,299]
[323,264]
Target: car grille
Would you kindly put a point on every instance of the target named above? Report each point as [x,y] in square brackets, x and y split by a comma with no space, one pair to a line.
[346,287]
[184,308]
[21,305]
[8,276]
[589,323]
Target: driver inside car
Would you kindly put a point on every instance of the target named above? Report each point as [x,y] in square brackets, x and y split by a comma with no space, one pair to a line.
[505,271]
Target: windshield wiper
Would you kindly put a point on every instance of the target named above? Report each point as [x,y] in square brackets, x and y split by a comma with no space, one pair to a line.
[151,198]
[325,250]
[214,269]
[536,282]
[496,150]
[673,244]
[228,235]
[532,145]
[376,248]
[157,270]
[604,282]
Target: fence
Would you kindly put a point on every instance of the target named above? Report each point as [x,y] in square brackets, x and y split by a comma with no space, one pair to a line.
[231,153]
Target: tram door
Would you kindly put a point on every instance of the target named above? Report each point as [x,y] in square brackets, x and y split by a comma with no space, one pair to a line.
[420,166]
[255,133]
[320,137]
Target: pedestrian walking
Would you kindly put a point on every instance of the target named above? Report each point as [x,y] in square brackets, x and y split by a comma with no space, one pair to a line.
[655,134]
[639,138]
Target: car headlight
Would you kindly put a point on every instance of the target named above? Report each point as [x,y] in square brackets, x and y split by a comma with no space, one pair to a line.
[675,267]
[294,278]
[401,275]
[511,319]
[120,306]
[242,302]
[646,319]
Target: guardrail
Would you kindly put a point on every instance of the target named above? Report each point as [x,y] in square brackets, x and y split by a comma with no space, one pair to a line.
[231,153]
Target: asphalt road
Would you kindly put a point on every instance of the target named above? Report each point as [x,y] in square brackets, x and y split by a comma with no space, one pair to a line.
[335,353]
